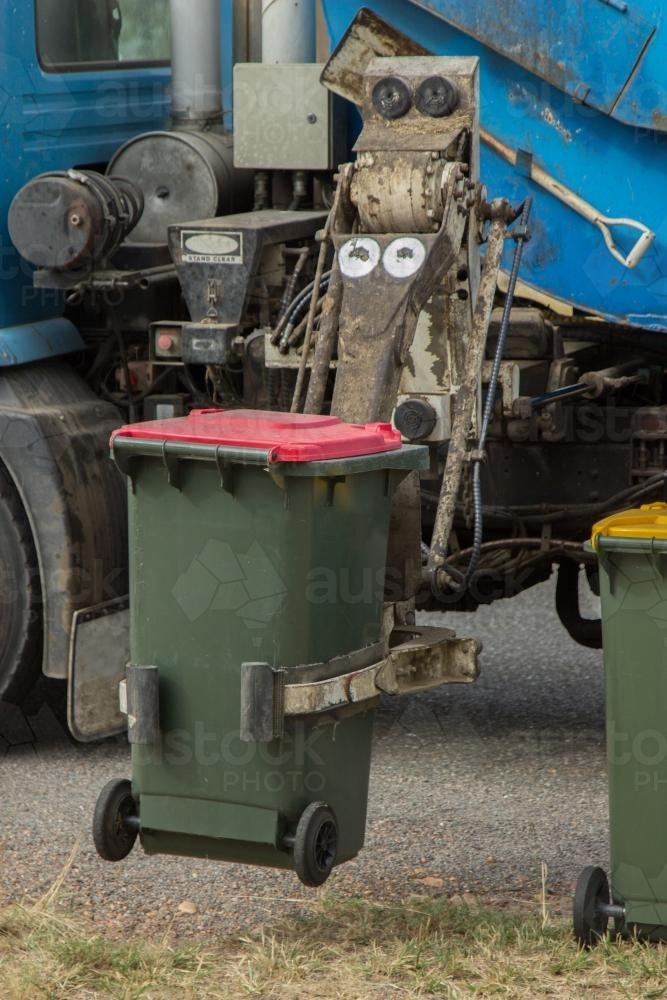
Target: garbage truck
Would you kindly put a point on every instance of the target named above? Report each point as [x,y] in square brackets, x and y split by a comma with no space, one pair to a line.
[440,216]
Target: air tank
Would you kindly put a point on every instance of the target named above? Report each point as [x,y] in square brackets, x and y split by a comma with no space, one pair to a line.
[183,175]
[187,173]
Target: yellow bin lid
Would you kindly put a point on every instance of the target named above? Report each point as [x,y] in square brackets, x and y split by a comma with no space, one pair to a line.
[649,521]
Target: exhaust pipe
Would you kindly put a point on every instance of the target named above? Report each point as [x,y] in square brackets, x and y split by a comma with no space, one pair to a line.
[289,31]
[196,64]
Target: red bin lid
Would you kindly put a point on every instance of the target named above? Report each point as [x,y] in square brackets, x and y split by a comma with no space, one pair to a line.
[288,437]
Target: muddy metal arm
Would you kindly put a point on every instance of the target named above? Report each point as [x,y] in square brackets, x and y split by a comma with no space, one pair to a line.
[401,215]
[386,281]
[468,393]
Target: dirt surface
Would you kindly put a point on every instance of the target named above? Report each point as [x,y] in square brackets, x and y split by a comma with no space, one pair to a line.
[473,789]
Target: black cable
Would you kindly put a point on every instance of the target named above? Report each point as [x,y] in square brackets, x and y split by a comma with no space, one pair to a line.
[118,333]
[303,296]
[549,513]
[634,493]
[300,310]
[566,392]
[290,287]
[130,401]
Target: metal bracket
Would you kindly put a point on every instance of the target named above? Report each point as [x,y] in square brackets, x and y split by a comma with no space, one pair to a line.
[418,659]
[139,696]
[262,703]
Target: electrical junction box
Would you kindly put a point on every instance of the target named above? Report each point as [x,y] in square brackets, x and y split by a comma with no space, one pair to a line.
[286,119]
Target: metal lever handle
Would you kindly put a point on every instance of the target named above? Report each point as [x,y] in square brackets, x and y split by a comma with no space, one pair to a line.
[646,240]
[578,205]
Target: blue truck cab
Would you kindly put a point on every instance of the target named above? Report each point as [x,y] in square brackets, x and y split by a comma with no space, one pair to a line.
[73,88]
[77,79]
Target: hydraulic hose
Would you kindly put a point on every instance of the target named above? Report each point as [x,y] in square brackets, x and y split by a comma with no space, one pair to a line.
[298,307]
[521,236]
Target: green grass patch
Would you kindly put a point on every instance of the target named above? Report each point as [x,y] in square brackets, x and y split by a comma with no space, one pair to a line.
[46,956]
[347,950]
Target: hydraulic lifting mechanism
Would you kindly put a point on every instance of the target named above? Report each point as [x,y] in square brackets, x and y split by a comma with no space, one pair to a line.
[394,326]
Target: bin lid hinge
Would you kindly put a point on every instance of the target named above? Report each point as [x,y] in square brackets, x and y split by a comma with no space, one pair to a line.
[172,467]
[226,471]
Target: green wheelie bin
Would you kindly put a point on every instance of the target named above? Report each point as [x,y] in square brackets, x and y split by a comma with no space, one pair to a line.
[632,554]
[257,559]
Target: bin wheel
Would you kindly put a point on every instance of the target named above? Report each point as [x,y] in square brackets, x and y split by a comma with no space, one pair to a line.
[315,844]
[113,832]
[590,923]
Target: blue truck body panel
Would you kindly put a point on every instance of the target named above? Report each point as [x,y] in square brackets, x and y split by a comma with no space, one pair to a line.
[540,61]
[54,121]
[46,338]
[578,87]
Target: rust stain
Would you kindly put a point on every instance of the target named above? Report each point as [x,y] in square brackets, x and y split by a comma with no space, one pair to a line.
[659,120]
[549,117]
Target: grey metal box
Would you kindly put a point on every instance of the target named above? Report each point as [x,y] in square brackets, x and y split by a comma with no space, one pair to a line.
[285,119]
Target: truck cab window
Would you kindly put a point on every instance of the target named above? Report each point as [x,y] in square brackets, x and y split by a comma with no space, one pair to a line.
[74,33]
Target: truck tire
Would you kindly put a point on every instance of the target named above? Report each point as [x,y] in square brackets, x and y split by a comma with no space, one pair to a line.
[20,598]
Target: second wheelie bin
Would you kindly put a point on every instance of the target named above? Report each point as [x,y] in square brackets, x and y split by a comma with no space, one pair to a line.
[632,553]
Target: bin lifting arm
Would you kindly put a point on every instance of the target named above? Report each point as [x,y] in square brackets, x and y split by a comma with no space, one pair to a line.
[401,215]
[420,660]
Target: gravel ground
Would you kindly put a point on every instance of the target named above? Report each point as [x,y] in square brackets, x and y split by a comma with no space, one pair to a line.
[472,790]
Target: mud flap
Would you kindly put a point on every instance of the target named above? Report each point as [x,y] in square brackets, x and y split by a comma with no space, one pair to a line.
[99,654]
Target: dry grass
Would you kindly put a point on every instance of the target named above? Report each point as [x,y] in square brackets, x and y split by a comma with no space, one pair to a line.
[431,948]
[45,956]
[347,950]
